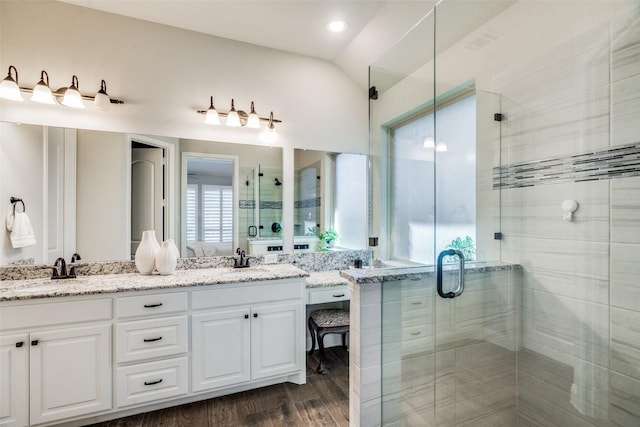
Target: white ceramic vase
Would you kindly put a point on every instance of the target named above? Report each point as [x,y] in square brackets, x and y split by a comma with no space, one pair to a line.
[173,244]
[146,253]
[166,258]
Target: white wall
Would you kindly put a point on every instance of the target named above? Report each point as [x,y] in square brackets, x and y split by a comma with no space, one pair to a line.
[102,210]
[21,175]
[164,74]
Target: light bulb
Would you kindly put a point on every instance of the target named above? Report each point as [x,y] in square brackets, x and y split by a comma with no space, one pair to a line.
[9,88]
[212,117]
[337,26]
[102,100]
[269,135]
[253,121]
[233,119]
[41,92]
[72,97]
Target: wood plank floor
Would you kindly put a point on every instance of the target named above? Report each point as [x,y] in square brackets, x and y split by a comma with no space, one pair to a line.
[322,401]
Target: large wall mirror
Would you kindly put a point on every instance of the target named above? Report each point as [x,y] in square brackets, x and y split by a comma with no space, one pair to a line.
[91,192]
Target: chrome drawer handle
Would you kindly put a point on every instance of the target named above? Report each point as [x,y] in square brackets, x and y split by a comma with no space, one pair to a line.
[153,305]
[338,296]
[152,339]
[415,333]
[153,382]
[416,302]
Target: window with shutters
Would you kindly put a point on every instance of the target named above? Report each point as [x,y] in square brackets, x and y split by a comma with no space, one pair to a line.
[209,213]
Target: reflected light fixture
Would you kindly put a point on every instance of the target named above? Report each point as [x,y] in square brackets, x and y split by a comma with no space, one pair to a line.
[239,118]
[253,121]
[72,97]
[41,92]
[337,26]
[233,118]
[9,88]
[429,143]
[102,100]
[212,117]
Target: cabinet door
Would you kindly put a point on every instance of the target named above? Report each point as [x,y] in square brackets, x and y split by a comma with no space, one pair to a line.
[70,372]
[277,333]
[14,380]
[220,348]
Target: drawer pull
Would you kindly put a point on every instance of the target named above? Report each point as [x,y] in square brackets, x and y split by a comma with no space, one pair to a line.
[34,342]
[415,333]
[153,305]
[152,339]
[19,344]
[338,295]
[153,382]
[416,302]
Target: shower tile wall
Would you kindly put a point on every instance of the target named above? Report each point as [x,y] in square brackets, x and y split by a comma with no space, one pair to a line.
[579,363]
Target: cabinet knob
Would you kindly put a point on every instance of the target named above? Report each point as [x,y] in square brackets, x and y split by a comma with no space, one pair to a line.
[19,344]
[246,316]
[255,314]
[34,342]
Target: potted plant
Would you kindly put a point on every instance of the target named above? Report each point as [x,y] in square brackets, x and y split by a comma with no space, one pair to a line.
[327,238]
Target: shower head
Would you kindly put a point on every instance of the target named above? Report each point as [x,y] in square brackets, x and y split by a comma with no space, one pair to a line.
[278,182]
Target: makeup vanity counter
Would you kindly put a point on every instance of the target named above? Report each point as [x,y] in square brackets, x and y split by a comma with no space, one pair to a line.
[100,347]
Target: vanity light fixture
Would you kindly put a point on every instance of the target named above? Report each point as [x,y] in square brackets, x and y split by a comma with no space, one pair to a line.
[238,118]
[41,92]
[72,97]
[253,121]
[9,88]
[212,117]
[102,100]
[269,134]
[441,147]
[233,118]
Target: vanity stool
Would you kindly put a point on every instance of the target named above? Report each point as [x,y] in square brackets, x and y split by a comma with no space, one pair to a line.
[327,321]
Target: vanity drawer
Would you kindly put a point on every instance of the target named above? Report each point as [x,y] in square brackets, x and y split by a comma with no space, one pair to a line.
[334,293]
[254,293]
[152,304]
[146,382]
[54,313]
[146,339]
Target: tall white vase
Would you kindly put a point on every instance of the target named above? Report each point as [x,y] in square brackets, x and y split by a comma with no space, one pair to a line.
[146,253]
[166,259]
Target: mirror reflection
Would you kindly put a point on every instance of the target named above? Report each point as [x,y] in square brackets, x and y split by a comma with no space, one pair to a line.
[93,192]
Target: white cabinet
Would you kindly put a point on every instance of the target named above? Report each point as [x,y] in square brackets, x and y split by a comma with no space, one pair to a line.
[275,339]
[70,372]
[221,348]
[236,344]
[14,380]
[55,361]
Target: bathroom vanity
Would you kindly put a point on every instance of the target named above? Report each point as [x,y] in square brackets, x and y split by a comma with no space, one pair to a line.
[100,347]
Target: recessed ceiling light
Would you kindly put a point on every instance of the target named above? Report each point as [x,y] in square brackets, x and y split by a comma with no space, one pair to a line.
[337,26]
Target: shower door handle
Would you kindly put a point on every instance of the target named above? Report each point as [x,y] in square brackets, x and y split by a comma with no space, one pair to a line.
[460,288]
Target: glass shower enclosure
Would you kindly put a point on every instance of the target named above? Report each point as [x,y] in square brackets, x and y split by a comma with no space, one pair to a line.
[505,133]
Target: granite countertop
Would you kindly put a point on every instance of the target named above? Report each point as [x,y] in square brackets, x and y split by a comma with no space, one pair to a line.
[323,279]
[109,283]
[367,275]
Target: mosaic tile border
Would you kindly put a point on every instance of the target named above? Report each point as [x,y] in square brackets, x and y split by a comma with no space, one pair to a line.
[619,162]
[307,203]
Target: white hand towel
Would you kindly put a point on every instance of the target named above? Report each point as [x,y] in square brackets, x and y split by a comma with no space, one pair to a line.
[22,234]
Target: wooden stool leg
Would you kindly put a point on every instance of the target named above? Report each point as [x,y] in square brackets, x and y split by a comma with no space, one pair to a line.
[344,340]
[321,366]
[313,335]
